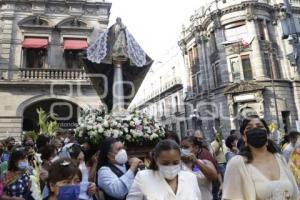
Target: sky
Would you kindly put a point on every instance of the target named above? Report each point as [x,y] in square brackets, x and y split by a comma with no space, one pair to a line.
[155,24]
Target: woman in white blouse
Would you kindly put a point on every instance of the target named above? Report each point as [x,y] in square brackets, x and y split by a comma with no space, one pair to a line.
[165,180]
[259,173]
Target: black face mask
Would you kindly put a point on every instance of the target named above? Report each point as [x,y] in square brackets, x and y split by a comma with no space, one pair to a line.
[257,137]
[199,143]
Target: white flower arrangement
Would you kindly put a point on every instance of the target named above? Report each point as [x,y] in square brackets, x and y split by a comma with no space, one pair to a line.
[35,179]
[134,128]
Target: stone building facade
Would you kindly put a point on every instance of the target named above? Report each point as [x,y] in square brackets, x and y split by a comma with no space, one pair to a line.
[39,65]
[235,53]
[161,94]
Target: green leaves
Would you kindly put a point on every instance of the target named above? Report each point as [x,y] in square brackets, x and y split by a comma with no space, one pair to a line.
[46,123]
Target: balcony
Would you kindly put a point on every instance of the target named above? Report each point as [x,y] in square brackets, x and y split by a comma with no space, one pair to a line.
[52,74]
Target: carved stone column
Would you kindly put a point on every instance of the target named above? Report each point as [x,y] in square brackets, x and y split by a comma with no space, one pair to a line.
[201,39]
[257,59]
[260,100]
[220,37]
[230,104]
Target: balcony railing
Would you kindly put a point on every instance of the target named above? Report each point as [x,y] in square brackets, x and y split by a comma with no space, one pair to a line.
[52,74]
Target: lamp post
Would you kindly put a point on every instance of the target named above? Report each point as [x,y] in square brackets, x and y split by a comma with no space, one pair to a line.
[275,99]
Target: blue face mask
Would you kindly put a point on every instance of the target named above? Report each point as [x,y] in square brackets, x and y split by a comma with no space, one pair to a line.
[68,192]
[22,165]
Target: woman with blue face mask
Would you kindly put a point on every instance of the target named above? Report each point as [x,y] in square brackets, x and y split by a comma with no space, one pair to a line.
[64,181]
[165,179]
[16,181]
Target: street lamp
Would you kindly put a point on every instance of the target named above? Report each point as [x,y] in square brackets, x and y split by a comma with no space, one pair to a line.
[275,98]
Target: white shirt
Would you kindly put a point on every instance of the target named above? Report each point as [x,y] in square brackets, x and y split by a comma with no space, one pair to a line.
[150,185]
[267,189]
[204,184]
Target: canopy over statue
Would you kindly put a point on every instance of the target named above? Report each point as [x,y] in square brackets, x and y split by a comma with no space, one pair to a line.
[117,55]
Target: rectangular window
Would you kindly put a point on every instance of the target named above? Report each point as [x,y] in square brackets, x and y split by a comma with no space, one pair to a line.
[194,84]
[163,108]
[217,74]
[286,120]
[195,55]
[176,104]
[235,69]
[182,129]
[191,58]
[35,58]
[199,82]
[276,67]
[213,43]
[174,127]
[247,70]
[268,65]
[261,29]
[72,59]
[167,127]
[236,32]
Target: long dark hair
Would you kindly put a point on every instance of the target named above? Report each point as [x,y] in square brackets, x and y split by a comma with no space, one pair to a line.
[246,151]
[164,145]
[105,148]
[17,154]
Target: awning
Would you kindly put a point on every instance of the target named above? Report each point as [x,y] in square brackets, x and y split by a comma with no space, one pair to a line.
[35,43]
[73,44]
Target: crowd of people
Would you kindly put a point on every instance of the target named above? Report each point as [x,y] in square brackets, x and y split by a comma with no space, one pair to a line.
[247,165]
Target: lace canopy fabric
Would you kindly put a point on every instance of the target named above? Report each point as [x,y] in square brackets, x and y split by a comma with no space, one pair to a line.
[117,41]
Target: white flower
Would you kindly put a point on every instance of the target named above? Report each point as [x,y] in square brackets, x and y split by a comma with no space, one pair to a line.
[114,123]
[139,133]
[134,133]
[132,123]
[95,127]
[107,133]
[153,136]
[146,136]
[100,129]
[115,132]
[105,124]
[126,130]
[138,122]
[148,129]
[128,137]
[93,133]
[89,127]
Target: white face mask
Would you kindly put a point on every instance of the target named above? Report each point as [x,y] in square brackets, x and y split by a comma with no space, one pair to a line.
[185,152]
[169,172]
[54,159]
[121,157]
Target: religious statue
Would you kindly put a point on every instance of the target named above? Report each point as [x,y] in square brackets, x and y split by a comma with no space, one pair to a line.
[116,55]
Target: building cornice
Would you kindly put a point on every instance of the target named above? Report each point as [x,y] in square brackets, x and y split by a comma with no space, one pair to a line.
[249,6]
[202,22]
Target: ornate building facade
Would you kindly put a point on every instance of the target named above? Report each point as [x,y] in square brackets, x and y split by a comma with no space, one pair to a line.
[39,66]
[161,94]
[239,61]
